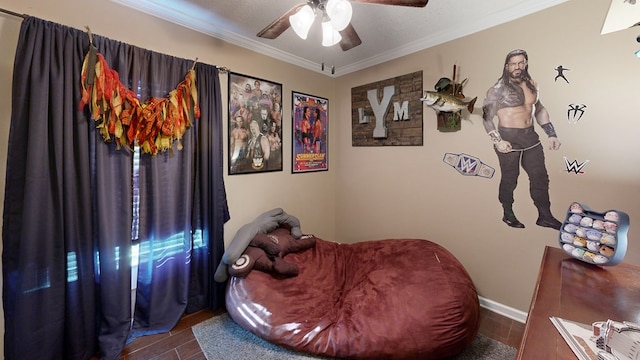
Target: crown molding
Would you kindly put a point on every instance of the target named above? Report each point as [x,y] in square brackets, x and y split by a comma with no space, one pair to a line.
[179,13]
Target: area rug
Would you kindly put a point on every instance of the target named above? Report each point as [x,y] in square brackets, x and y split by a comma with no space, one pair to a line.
[222,339]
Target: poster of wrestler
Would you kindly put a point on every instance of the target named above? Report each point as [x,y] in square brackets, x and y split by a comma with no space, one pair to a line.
[514,100]
[255,125]
[310,133]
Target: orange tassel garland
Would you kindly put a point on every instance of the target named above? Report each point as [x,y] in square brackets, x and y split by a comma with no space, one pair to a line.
[153,125]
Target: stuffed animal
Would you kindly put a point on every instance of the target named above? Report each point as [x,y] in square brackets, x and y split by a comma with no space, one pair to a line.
[259,254]
[264,223]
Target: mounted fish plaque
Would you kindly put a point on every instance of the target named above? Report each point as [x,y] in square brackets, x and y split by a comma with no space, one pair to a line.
[448,101]
[593,237]
[449,121]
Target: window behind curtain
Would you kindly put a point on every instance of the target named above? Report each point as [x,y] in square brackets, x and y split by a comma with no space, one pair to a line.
[68,211]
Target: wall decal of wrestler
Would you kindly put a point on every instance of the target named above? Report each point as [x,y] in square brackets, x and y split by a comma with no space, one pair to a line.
[515,102]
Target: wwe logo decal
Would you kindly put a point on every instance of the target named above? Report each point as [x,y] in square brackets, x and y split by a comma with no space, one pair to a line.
[467,165]
[575,112]
[574,166]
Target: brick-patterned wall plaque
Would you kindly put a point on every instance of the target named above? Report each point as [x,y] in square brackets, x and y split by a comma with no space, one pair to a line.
[388,112]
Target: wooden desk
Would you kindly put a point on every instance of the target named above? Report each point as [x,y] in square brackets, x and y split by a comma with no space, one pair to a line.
[577,291]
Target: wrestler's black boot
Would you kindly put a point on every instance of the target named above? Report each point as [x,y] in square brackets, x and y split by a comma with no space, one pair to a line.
[546,219]
[509,217]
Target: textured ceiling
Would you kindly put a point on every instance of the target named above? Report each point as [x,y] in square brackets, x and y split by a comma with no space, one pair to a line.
[387,32]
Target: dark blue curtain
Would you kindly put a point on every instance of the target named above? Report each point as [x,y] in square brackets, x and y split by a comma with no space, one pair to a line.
[67,217]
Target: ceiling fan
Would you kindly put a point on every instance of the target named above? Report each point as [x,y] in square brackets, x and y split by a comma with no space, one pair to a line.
[336,20]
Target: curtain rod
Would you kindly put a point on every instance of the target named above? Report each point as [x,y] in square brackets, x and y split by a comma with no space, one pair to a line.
[24,16]
[222,69]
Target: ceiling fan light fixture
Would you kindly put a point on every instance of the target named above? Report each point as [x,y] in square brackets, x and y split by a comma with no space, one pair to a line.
[330,36]
[302,20]
[340,12]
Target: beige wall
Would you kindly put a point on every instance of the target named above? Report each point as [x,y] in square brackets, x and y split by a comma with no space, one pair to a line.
[9,29]
[410,192]
[386,192]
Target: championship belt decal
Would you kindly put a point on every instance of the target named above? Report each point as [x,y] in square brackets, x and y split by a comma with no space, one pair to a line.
[468,165]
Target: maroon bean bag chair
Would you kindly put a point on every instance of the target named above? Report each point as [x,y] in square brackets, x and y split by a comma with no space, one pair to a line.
[383,299]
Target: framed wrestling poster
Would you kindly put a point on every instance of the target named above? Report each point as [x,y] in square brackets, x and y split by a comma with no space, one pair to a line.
[310,124]
[255,125]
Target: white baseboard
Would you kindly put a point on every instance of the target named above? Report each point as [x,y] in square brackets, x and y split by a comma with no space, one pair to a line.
[503,310]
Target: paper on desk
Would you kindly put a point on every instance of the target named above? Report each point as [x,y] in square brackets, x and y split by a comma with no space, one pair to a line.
[577,336]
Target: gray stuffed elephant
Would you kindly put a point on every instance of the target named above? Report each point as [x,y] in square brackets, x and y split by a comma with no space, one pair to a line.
[264,223]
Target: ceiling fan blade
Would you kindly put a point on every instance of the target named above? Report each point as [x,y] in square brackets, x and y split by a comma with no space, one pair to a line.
[350,38]
[279,25]
[414,3]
